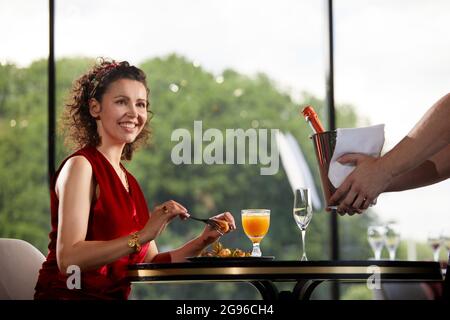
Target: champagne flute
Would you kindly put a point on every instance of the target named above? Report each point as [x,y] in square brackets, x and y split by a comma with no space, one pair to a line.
[446,243]
[302,213]
[256,224]
[435,242]
[445,237]
[375,235]
[392,239]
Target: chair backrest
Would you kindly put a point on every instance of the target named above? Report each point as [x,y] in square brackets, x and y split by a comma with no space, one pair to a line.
[19,268]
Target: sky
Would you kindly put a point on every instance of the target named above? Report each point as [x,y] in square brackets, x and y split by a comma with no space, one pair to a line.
[392,58]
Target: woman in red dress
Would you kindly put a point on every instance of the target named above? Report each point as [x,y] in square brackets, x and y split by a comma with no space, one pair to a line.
[99,216]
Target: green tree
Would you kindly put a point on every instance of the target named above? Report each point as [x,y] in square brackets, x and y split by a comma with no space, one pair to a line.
[24,200]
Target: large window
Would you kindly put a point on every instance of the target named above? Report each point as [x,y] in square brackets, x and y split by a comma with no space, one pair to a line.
[231,65]
[24,198]
[392,63]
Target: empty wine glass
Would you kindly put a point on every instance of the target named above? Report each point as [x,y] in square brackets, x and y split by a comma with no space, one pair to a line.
[302,212]
[375,235]
[434,240]
[392,239]
[445,237]
[446,243]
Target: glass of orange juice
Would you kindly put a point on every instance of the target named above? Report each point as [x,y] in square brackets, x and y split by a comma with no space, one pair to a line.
[256,224]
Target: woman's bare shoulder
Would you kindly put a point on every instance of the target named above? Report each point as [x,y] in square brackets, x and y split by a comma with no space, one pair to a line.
[77,170]
[78,165]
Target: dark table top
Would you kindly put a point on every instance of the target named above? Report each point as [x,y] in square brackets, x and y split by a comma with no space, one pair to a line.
[276,270]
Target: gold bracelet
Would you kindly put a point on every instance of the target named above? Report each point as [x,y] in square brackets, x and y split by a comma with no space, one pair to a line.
[133,242]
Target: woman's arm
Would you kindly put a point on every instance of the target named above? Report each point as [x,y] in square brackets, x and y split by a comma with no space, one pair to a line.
[193,247]
[74,189]
[189,249]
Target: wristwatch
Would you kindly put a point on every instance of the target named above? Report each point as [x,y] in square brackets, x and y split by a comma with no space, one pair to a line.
[133,242]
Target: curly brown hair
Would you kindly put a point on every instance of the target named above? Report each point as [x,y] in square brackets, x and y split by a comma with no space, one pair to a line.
[78,125]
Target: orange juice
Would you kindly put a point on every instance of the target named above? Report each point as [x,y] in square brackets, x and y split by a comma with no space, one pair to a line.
[256,226]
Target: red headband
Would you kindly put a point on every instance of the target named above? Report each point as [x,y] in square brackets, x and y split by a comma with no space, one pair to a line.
[100,76]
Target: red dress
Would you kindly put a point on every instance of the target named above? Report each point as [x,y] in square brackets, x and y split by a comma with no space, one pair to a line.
[116,213]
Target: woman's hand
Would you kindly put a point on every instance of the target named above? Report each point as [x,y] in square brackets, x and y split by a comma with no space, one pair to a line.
[226,221]
[160,218]
[363,185]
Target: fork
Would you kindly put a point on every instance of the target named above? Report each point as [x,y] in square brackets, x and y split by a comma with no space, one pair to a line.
[213,224]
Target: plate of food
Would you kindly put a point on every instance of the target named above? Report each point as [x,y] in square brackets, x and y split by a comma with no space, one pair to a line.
[219,253]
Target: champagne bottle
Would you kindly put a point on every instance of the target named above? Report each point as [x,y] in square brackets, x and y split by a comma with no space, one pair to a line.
[313,120]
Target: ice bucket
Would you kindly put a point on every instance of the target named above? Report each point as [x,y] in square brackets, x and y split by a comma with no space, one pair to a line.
[324,144]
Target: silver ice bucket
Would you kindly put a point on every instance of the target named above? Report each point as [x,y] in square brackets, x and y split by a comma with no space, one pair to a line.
[324,144]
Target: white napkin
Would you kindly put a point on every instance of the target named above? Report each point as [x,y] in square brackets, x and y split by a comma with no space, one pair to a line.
[367,140]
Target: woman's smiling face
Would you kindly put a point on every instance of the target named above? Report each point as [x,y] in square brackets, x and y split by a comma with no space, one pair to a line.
[122,112]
